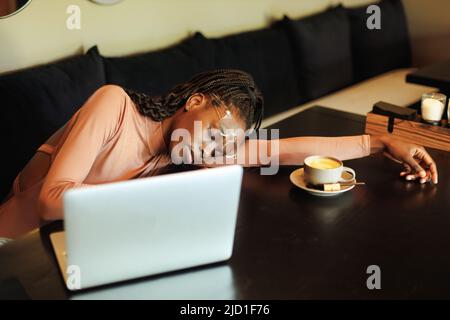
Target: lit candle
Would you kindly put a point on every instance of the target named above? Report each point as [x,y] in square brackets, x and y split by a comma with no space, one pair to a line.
[433,106]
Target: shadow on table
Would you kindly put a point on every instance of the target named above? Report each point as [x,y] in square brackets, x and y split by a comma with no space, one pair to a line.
[326,209]
[204,283]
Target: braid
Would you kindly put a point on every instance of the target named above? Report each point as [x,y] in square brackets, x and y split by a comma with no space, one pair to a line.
[232,87]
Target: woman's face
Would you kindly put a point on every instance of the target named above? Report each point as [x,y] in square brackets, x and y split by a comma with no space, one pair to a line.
[198,129]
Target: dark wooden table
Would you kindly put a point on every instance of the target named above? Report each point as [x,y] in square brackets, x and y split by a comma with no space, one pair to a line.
[291,245]
[435,75]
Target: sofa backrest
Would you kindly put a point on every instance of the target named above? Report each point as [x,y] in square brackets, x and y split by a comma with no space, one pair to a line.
[335,48]
[322,51]
[38,101]
[156,72]
[266,54]
[375,51]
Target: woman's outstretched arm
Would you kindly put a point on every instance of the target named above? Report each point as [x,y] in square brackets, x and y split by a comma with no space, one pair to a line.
[417,162]
[292,151]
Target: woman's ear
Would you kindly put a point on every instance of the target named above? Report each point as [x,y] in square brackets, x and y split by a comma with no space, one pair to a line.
[196,100]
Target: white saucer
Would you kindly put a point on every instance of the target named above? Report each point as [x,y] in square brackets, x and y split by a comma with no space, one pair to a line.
[297,178]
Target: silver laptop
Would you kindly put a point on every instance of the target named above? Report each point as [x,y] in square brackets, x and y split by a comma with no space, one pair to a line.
[130,229]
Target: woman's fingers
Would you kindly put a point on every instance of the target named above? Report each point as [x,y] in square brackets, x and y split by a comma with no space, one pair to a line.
[426,178]
[406,170]
[415,166]
[426,158]
[416,170]
[409,176]
[417,163]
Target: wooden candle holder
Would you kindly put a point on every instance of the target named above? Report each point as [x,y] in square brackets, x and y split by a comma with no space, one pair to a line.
[413,131]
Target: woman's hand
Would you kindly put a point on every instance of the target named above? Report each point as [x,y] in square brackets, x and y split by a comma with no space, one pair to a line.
[416,161]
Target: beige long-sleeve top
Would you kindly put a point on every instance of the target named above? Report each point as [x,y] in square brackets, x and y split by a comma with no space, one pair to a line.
[107,140]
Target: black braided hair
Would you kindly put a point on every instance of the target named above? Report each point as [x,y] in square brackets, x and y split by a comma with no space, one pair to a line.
[234,88]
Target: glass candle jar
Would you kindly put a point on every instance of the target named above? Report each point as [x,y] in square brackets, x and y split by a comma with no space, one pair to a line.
[433,105]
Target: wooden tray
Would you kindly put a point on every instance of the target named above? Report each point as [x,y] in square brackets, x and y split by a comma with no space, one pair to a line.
[417,132]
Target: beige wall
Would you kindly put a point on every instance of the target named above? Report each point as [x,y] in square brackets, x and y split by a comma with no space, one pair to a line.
[38,34]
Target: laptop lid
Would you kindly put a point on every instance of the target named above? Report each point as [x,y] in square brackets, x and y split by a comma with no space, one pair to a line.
[124,230]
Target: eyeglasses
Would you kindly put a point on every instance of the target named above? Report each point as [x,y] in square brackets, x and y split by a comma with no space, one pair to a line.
[229,130]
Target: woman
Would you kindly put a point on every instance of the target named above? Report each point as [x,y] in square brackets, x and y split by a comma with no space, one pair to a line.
[119,134]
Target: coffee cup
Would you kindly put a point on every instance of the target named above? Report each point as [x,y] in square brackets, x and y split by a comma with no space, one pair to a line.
[325,169]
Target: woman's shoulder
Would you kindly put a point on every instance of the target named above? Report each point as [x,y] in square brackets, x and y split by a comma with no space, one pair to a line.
[108,104]
[108,97]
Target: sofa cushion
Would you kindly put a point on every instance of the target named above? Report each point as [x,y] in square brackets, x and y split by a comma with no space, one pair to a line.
[267,55]
[379,50]
[37,101]
[322,51]
[156,72]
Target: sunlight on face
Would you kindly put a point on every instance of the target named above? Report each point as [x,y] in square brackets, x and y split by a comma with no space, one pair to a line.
[214,131]
[225,136]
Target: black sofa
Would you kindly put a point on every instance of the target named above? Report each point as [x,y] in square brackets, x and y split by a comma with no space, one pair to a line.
[292,61]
